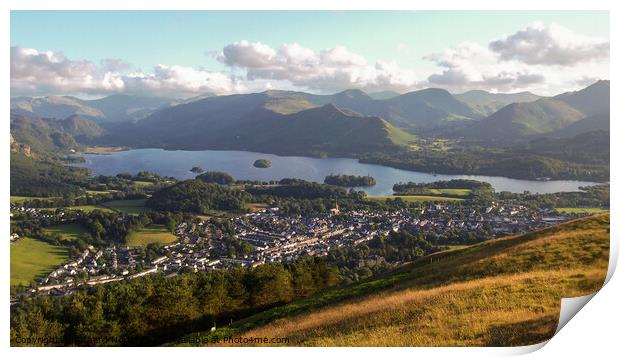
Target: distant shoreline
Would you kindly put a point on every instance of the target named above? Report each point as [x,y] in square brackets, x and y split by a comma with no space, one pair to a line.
[103,150]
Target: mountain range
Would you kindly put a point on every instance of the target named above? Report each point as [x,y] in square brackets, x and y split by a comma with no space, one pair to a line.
[564,115]
[113,108]
[292,122]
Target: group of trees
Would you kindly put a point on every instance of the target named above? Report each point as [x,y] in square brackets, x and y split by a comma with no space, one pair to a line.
[218,177]
[293,188]
[39,178]
[591,196]
[379,254]
[454,183]
[475,160]
[350,180]
[156,309]
[197,196]
[262,163]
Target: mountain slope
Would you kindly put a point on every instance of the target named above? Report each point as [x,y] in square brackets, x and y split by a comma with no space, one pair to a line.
[504,292]
[46,136]
[592,123]
[82,130]
[264,122]
[113,108]
[488,103]
[54,107]
[423,109]
[592,100]
[326,129]
[122,107]
[39,135]
[517,120]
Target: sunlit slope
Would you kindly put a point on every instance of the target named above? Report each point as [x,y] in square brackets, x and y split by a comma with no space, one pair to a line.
[498,293]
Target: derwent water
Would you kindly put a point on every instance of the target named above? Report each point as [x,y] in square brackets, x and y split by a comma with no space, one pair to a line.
[239,164]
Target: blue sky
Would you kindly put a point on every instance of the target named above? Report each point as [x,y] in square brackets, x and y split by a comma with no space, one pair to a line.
[192,39]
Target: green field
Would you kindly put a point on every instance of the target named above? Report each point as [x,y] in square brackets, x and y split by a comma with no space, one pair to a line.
[69,231]
[142,183]
[155,233]
[15,199]
[581,210]
[458,192]
[94,193]
[127,206]
[31,258]
[419,198]
[90,208]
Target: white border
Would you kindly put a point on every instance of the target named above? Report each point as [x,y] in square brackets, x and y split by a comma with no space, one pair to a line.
[592,330]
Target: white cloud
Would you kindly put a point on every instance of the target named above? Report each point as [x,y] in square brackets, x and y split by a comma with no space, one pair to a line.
[34,72]
[179,81]
[545,60]
[550,45]
[41,73]
[542,59]
[328,70]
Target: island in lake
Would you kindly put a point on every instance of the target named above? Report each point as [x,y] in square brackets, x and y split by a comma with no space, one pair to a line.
[350,180]
[197,170]
[262,163]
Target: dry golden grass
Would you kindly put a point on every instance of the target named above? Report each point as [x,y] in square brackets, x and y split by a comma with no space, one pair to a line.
[499,293]
[482,312]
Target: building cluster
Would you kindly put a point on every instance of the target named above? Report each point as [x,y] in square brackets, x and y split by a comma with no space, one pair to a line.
[275,237]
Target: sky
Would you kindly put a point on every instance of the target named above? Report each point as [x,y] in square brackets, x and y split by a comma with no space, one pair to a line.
[188,53]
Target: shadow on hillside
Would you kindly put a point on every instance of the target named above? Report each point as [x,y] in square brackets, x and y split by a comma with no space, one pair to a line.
[523,333]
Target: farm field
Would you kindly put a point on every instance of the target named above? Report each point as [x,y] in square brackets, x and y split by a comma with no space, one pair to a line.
[31,258]
[90,208]
[126,206]
[154,233]
[69,231]
[417,198]
[94,193]
[460,192]
[15,199]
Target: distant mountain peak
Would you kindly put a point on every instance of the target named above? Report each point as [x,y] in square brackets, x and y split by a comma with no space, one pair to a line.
[353,93]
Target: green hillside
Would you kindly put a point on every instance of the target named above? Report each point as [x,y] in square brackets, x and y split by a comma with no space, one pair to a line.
[488,103]
[592,100]
[324,130]
[522,119]
[503,292]
[113,108]
[42,137]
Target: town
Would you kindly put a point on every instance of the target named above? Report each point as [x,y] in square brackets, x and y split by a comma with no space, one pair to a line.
[275,237]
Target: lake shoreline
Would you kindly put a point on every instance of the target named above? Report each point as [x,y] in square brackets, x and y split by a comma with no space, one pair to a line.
[240,165]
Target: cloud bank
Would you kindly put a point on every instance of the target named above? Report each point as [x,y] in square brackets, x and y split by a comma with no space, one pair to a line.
[543,59]
[328,70]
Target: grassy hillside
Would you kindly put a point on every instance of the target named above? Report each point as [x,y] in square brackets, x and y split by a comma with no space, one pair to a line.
[113,108]
[488,103]
[592,100]
[521,119]
[499,293]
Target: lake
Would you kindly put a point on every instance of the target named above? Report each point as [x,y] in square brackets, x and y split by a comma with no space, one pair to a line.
[239,164]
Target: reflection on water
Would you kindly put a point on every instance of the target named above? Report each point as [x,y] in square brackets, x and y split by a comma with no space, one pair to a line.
[240,165]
